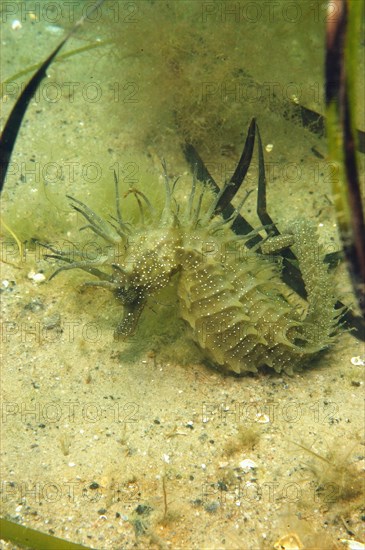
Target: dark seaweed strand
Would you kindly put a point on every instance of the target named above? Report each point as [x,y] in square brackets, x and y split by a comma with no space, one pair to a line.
[290,274]
[337,96]
[12,126]
[240,226]
[235,182]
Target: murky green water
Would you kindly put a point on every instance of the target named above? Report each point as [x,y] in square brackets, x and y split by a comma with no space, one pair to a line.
[138,443]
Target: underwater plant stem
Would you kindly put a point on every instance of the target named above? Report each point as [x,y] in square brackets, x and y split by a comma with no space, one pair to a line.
[341,70]
[31,538]
[18,243]
[164,496]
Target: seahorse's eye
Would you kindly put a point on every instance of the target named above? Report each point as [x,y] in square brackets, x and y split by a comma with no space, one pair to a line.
[128,296]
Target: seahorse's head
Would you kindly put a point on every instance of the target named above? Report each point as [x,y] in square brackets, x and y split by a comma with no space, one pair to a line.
[150,259]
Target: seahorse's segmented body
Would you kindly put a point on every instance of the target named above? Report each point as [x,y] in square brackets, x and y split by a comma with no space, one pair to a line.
[243,315]
[240,311]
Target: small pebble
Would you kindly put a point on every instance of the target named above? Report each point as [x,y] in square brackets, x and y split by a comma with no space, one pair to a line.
[54,29]
[358,361]
[247,464]
[34,305]
[16,25]
[37,277]
[212,507]
[52,321]
[353,544]
[262,418]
